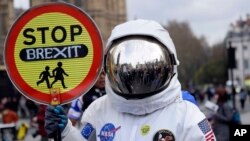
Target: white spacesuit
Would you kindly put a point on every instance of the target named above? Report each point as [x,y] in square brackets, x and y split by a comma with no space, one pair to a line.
[143,103]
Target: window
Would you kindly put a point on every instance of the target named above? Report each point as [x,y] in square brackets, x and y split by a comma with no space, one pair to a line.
[246,64]
[244,48]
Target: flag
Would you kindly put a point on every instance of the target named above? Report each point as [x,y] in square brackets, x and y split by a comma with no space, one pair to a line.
[206,130]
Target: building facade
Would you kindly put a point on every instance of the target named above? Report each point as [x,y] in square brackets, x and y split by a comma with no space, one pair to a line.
[239,36]
[7,17]
[105,13]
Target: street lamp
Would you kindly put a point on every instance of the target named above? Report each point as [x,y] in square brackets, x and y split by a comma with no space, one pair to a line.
[231,66]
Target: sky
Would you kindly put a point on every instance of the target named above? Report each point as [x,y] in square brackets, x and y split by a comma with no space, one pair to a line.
[209,18]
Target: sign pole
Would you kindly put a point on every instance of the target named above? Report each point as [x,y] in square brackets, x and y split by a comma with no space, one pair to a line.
[231,66]
[233,88]
[55,101]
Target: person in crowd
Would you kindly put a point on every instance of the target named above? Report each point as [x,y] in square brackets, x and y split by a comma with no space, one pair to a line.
[132,109]
[24,111]
[79,105]
[248,93]
[222,118]
[243,97]
[9,116]
[39,120]
[32,107]
[210,92]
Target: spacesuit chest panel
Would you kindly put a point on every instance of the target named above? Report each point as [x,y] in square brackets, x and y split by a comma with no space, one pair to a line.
[157,126]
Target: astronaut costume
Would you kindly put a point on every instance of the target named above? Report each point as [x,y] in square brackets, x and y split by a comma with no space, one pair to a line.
[144,100]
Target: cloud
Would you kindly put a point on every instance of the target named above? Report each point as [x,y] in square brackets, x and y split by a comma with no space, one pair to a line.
[24,4]
[210,18]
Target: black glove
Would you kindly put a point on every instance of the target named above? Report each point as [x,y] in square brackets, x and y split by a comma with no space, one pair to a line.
[55,117]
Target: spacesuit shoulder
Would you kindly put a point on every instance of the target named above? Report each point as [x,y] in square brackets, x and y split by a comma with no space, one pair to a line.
[95,109]
[196,124]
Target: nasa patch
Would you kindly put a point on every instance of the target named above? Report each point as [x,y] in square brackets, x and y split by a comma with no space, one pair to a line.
[87,130]
[164,135]
[108,131]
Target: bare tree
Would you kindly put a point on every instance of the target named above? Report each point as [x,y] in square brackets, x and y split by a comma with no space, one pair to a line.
[190,49]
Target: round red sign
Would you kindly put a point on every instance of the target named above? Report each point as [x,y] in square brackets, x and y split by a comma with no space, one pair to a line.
[53,53]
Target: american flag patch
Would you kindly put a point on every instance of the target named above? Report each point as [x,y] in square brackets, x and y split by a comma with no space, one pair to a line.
[206,130]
